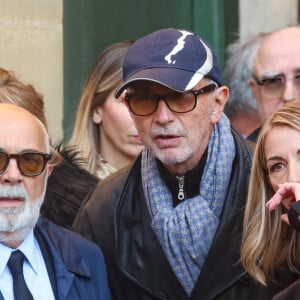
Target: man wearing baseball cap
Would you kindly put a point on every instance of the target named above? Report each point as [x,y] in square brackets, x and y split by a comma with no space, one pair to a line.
[170,224]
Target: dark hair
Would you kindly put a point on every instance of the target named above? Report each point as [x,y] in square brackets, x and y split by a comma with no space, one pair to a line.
[67,187]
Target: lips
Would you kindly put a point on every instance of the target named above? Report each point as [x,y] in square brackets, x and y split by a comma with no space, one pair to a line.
[167,140]
[11,201]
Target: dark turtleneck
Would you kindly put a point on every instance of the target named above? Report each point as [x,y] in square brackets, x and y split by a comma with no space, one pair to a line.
[183,187]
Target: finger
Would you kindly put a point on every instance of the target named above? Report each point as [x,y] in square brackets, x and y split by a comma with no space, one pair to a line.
[284,194]
[274,202]
[290,189]
[284,218]
[286,202]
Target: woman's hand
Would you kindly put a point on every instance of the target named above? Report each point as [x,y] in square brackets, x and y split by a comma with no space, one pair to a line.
[286,194]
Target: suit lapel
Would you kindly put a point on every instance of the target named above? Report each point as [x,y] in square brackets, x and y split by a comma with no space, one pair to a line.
[48,260]
[65,267]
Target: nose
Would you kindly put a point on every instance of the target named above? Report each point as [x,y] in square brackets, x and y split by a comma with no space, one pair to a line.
[163,114]
[291,92]
[12,174]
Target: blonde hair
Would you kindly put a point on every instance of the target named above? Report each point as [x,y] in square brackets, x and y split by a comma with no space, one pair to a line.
[24,95]
[268,243]
[105,76]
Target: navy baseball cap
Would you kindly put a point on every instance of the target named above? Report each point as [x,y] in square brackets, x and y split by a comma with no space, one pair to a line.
[177,59]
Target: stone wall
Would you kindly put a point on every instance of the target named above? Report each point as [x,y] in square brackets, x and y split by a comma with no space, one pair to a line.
[31,42]
[31,46]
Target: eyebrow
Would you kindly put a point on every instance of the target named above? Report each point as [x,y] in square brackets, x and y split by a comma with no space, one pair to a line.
[22,151]
[297,70]
[271,74]
[275,158]
[279,157]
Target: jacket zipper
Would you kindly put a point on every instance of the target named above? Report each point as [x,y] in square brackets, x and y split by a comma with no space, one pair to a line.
[180,195]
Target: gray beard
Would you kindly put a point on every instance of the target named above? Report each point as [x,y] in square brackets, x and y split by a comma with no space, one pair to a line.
[16,223]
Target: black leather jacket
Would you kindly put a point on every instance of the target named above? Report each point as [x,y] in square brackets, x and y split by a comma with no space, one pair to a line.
[115,216]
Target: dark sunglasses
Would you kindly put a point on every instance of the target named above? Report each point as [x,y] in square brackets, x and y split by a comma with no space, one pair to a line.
[141,104]
[29,163]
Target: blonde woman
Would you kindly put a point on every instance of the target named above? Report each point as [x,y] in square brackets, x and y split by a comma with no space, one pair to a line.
[270,246]
[104,132]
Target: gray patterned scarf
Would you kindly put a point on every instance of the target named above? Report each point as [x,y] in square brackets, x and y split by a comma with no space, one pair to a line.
[187,231]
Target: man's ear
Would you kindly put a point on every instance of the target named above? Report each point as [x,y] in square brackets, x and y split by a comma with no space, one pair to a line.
[220,99]
[50,169]
[97,115]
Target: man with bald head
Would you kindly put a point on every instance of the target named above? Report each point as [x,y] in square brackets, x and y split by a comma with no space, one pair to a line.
[276,72]
[39,260]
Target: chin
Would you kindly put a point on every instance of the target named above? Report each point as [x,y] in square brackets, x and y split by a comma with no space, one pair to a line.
[22,219]
[169,157]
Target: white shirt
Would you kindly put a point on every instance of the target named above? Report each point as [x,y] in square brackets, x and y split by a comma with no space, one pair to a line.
[34,269]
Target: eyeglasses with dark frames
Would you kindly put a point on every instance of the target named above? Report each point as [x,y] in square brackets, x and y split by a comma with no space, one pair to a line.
[143,104]
[29,163]
[274,86]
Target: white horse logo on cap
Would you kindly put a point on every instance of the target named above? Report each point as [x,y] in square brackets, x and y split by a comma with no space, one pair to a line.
[178,47]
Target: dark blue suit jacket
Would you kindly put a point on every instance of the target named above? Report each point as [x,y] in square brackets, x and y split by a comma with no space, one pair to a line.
[76,266]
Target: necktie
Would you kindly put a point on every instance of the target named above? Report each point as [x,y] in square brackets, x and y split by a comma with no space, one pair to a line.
[15,264]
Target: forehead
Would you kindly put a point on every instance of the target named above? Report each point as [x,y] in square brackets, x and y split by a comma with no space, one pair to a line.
[19,135]
[279,52]
[281,139]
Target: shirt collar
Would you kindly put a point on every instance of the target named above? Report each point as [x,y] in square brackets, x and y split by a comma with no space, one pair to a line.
[29,247]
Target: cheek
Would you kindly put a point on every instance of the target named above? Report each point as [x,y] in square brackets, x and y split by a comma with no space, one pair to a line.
[143,127]
[274,185]
[35,186]
[118,116]
[274,182]
[269,105]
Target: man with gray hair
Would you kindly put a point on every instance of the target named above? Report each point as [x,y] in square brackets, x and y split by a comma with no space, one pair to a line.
[241,107]
[170,225]
[276,72]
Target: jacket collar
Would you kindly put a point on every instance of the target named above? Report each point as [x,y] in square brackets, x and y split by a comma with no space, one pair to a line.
[60,245]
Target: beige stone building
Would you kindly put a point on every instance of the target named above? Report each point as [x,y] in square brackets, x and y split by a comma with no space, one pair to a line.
[31,42]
